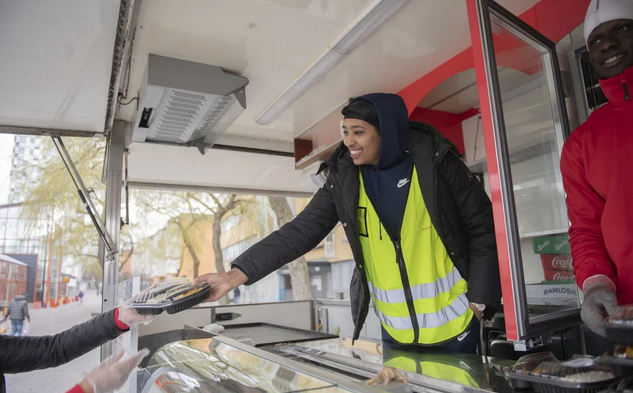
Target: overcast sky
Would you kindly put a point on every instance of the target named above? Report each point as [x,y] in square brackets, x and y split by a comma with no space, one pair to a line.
[6,147]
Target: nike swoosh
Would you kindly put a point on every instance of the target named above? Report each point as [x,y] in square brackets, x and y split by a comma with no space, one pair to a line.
[402,183]
[463,336]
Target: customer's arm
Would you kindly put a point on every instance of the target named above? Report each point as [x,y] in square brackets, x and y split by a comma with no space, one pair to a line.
[475,210]
[25,311]
[21,354]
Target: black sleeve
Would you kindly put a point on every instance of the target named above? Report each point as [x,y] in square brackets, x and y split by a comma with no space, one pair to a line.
[290,241]
[28,353]
[25,310]
[475,210]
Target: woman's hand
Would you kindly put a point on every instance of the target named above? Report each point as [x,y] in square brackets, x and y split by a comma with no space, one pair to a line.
[221,283]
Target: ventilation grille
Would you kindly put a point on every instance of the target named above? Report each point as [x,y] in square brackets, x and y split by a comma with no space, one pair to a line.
[179,116]
[217,110]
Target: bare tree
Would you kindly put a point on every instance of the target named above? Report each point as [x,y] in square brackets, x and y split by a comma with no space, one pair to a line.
[299,273]
[219,209]
[49,192]
[185,212]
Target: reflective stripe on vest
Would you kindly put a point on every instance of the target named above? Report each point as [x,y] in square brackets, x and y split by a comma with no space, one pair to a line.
[437,290]
[430,320]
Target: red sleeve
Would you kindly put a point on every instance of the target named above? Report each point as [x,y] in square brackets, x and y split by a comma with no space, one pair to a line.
[76,389]
[119,324]
[584,208]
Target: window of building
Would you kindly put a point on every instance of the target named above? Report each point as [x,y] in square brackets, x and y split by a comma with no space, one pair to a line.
[233,251]
[230,223]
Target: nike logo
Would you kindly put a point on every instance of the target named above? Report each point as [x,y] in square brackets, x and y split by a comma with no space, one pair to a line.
[402,182]
[463,336]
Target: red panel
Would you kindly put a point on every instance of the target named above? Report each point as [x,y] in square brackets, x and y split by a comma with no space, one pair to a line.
[449,124]
[553,18]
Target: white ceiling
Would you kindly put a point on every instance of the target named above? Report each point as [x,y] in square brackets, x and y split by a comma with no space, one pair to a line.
[58,71]
[163,166]
[56,63]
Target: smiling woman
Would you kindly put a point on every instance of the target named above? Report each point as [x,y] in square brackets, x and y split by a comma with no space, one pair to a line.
[363,141]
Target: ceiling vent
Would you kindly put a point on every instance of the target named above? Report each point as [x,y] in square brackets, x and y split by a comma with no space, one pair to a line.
[186,103]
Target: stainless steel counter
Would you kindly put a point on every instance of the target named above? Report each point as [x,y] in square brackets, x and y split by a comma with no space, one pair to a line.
[425,372]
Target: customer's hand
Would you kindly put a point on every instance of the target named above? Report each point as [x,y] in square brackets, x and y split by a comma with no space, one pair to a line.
[221,283]
[112,373]
[599,302]
[130,316]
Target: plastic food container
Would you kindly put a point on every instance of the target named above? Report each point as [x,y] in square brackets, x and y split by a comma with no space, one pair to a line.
[528,363]
[624,386]
[578,375]
[172,296]
[620,331]
[620,360]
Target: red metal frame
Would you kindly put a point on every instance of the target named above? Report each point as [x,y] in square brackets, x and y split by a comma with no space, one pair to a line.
[496,193]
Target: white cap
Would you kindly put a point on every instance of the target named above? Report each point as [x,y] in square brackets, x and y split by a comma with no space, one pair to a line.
[601,11]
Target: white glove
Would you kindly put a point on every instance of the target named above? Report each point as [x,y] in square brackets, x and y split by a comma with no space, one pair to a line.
[599,302]
[131,317]
[113,372]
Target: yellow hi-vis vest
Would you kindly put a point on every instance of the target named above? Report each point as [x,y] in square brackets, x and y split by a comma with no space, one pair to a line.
[418,294]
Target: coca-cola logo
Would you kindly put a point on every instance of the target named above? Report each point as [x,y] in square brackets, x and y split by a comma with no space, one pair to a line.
[564,261]
[561,276]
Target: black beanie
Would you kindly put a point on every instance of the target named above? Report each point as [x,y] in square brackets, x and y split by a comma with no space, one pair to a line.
[362,110]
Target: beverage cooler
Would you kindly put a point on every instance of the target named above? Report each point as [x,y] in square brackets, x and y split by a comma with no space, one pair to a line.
[525,124]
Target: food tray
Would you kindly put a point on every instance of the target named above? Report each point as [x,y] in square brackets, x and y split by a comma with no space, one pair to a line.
[171,296]
[623,386]
[543,384]
[622,367]
[527,364]
[550,377]
[620,332]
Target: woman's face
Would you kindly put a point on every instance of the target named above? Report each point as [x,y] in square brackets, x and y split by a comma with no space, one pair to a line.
[363,141]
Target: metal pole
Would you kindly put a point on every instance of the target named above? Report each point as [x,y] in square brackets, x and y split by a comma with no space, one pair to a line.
[112,175]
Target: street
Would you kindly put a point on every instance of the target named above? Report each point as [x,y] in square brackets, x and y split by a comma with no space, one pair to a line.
[50,321]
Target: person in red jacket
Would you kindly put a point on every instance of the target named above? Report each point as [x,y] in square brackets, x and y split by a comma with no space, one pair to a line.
[597,169]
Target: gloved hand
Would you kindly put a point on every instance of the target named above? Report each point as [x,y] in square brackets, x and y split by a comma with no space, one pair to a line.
[599,302]
[113,372]
[130,316]
[623,312]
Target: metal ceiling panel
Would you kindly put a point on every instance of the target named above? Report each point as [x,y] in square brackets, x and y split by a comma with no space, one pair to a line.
[173,167]
[56,63]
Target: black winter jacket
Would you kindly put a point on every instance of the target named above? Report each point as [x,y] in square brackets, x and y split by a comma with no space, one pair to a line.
[459,207]
[28,353]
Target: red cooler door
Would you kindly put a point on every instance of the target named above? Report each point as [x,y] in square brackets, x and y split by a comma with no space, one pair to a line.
[525,125]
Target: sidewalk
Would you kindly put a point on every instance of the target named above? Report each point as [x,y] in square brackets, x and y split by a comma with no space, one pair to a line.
[50,321]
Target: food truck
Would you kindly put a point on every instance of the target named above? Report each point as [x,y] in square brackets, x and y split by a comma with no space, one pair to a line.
[181,90]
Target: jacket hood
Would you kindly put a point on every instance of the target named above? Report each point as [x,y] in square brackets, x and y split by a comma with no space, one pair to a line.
[617,88]
[394,127]
[19,297]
